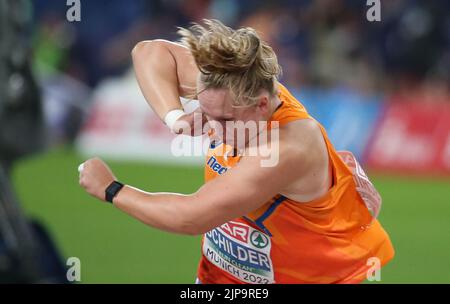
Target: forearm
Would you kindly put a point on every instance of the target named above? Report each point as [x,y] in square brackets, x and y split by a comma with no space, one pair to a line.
[156,73]
[165,211]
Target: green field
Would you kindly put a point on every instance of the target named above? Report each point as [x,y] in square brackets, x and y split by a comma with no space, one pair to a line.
[115,248]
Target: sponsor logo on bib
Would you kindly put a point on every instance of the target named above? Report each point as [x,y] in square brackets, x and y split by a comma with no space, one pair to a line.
[240,250]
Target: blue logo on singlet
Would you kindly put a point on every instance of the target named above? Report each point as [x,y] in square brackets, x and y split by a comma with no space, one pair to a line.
[215,166]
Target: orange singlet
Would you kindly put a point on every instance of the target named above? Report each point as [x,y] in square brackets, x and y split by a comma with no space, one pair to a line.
[332,239]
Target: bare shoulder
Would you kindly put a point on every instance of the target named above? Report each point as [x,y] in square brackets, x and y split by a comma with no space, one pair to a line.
[160,43]
[303,149]
[298,140]
[302,138]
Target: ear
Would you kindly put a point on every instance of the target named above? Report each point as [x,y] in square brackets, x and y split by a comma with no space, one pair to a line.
[263,104]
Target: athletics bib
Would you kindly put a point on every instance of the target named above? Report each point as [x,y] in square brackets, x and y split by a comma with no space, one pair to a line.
[240,250]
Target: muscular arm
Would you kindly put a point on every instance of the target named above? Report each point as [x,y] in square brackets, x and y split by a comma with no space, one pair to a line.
[239,191]
[244,188]
[165,71]
[235,193]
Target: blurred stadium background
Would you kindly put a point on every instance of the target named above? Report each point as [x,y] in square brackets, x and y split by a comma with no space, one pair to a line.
[381,89]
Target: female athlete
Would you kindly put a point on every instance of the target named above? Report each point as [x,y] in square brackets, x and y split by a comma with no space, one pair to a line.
[310,218]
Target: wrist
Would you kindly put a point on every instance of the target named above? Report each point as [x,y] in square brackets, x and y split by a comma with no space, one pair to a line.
[171,118]
[112,190]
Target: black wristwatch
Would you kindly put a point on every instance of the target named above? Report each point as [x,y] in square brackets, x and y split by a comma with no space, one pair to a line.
[112,190]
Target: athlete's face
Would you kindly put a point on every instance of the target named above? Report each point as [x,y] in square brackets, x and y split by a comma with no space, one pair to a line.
[232,125]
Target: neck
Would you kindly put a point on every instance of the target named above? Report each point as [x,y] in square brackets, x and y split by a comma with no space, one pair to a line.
[275,103]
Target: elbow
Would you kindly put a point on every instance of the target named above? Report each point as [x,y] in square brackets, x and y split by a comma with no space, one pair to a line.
[198,230]
[177,224]
[191,232]
[146,47]
[192,226]
[140,48]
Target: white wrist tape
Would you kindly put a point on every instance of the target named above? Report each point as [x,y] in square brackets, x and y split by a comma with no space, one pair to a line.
[172,117]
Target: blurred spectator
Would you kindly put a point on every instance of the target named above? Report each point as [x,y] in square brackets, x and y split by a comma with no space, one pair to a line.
[324,44]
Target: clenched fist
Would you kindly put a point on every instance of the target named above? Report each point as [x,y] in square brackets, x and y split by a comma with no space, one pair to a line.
[95,177]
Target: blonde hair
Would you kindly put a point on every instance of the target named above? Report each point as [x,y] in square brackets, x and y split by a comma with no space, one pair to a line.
[233,59]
